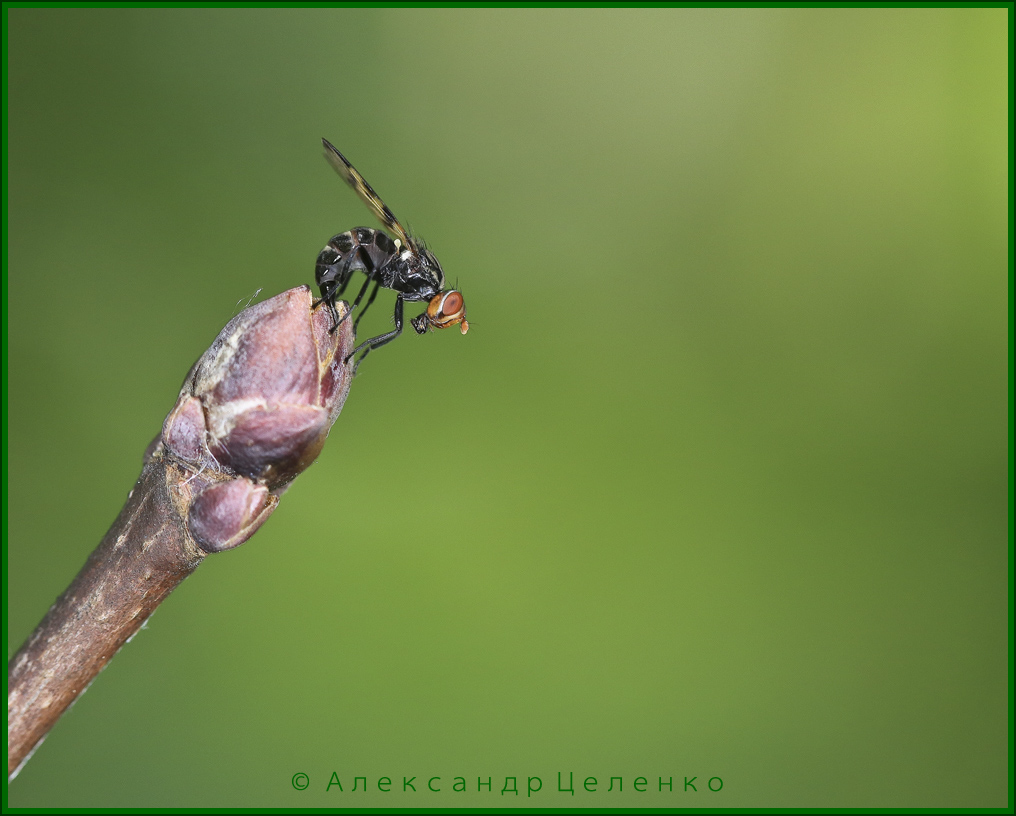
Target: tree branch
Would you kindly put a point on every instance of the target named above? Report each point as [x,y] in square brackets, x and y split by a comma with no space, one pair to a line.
[252,414]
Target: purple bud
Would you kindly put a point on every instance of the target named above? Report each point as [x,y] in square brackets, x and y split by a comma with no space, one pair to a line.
[227,514]
[260,402]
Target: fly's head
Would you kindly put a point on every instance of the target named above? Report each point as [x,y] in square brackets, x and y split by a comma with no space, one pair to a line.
[445,309]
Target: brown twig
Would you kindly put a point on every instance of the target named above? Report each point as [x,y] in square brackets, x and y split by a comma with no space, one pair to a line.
[253,413]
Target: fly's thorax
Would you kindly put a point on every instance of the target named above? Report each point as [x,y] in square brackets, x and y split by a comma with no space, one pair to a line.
[413,276]
[434,266]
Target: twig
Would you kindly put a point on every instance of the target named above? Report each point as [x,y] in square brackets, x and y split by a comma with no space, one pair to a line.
[253,413]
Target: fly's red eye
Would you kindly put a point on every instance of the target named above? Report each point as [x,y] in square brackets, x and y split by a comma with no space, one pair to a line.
[452,303]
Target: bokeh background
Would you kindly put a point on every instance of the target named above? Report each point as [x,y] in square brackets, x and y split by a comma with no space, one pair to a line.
[716,485]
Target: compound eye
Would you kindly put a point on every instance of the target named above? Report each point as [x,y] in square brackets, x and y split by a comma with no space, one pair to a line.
[446,309]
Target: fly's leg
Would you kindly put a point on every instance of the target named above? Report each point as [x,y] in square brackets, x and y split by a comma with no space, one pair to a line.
[376,342]
[359,297]
[331,292]
[367,305]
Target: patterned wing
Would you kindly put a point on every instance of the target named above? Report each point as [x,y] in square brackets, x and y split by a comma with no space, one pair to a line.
[366,192]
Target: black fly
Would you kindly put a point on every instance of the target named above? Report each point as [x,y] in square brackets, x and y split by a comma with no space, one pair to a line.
[402,264]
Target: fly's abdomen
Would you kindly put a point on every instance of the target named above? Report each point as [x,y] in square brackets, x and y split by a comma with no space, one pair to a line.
[331,261]
[359,250]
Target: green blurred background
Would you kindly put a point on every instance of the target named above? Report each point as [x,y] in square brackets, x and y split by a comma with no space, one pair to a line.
[716,485]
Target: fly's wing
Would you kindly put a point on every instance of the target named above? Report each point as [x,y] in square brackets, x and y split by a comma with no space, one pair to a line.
[366,192]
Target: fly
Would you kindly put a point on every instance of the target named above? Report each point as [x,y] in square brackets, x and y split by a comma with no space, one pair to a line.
[402,264]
